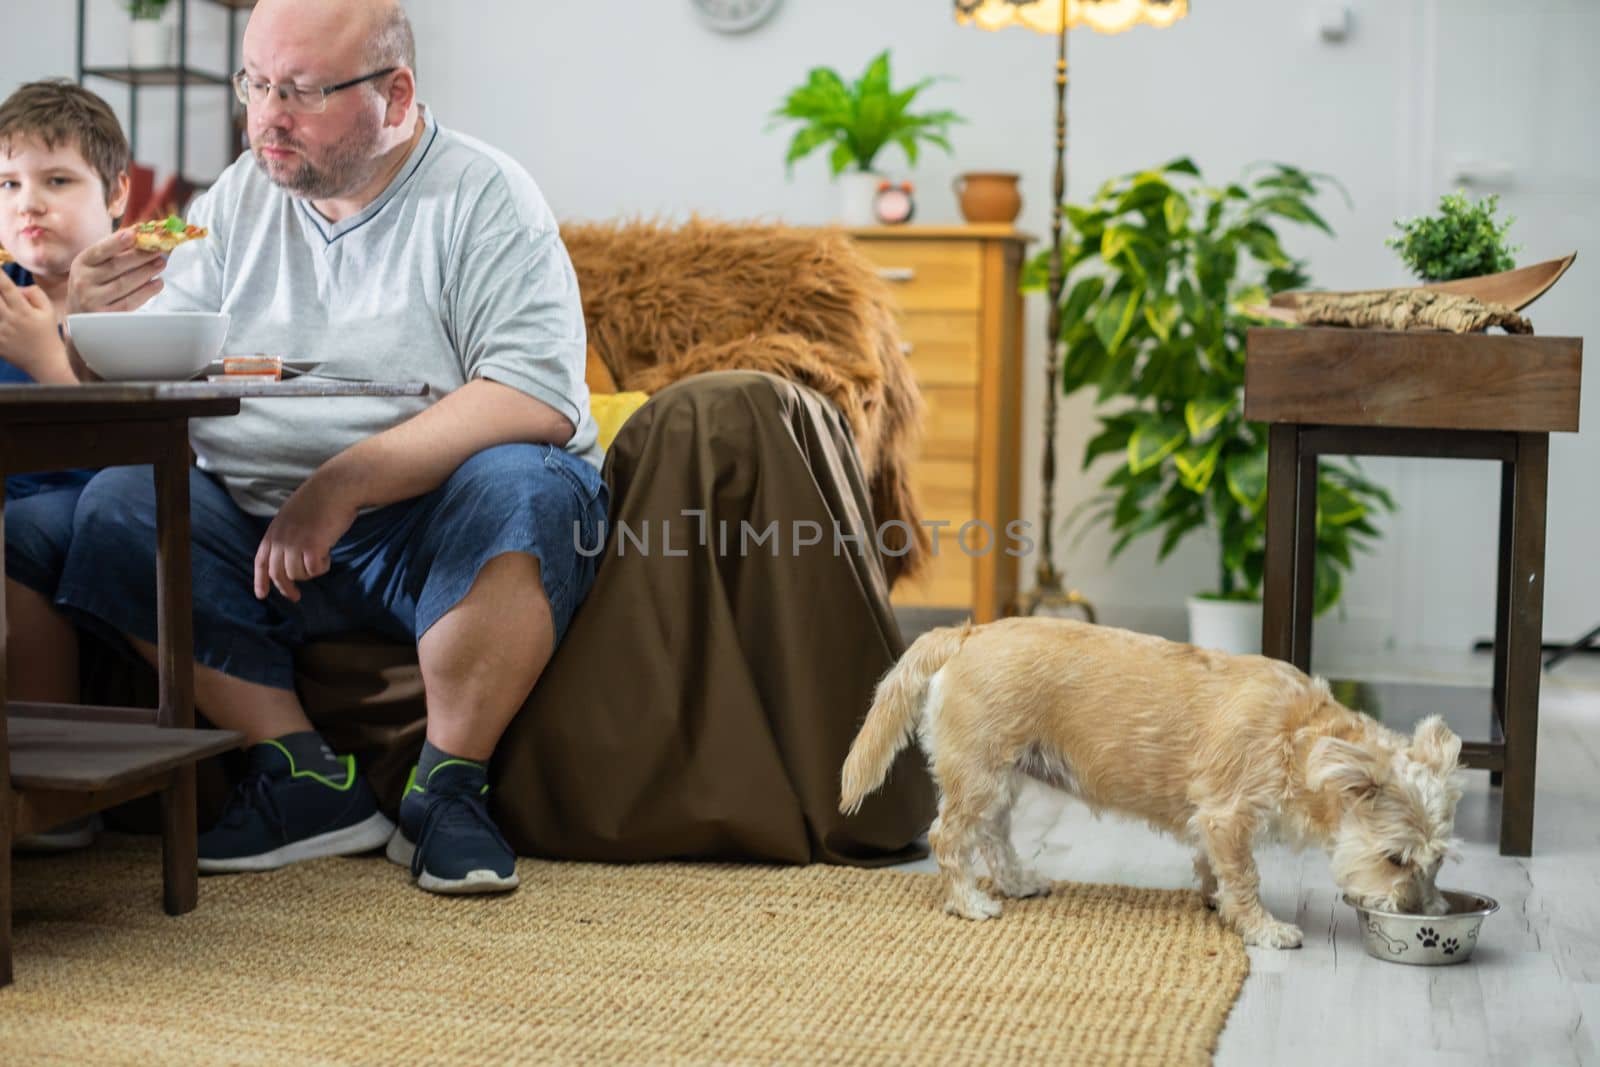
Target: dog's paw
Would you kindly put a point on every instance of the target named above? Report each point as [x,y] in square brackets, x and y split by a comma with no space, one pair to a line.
[1274,934]
[975,905]
[1024,884]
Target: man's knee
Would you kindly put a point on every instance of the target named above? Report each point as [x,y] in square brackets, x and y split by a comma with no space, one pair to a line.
[118,502]
[532,501]
[516,480]
[38,530]
[496,471]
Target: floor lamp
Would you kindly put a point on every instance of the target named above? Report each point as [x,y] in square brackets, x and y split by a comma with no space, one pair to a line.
[1055,17]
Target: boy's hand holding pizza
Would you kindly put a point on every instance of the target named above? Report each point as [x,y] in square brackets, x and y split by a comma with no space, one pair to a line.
[28,334]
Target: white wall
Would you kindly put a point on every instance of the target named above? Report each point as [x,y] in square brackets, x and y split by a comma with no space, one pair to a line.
[635,109]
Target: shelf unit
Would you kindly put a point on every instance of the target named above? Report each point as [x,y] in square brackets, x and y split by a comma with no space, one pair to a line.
[181,77]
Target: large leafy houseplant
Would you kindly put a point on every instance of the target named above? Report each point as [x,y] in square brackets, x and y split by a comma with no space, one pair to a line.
[859,119]
[1158,266]
[1462,241]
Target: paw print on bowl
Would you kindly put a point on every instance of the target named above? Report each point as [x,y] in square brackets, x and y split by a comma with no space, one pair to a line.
[1428,937]
[1451,946]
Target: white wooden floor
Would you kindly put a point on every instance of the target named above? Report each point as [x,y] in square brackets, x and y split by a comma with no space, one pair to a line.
[1531,992]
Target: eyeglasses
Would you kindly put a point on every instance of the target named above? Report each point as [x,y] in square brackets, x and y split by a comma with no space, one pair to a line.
[297,98]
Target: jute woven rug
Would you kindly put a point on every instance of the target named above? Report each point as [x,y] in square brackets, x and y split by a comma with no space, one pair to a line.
[343,961]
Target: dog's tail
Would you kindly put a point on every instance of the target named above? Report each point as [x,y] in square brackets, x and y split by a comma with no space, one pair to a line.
[893,718]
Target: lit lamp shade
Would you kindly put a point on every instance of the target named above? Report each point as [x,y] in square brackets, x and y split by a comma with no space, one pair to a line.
[1051,16]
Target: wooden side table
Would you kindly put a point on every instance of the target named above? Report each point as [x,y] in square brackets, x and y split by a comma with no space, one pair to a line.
[1327,391]
[60,762]
[961,318]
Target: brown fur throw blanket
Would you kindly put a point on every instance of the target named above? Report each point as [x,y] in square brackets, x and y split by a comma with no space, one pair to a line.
[662,302]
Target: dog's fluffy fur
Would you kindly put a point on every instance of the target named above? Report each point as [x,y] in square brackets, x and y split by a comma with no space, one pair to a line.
[1218,750]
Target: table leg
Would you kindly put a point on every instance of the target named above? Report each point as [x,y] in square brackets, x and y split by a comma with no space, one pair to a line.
[1278,568]
[175,641]
[1502,607]
[1305,555]
[1524,629]
[7,798]
[7,832]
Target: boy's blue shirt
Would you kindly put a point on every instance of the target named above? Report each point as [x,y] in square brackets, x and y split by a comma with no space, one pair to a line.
[21,485]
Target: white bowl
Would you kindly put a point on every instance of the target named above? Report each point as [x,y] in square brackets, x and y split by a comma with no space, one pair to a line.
[148,346]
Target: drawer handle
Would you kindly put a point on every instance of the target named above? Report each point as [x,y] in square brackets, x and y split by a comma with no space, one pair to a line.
[906,347]
[897,274]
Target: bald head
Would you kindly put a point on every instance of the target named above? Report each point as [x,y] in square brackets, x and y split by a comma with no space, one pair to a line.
[345,141]
[338,34]
[391,42]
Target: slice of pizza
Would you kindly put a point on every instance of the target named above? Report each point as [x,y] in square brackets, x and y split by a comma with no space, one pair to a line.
[163,235]
[6,257]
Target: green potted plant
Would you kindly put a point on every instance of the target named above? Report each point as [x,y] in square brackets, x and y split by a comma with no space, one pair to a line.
[856,121]
[1158,266]
[1463,240]
[150,38]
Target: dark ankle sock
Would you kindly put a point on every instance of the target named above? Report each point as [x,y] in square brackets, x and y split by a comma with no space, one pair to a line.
[431,757]
[311,753]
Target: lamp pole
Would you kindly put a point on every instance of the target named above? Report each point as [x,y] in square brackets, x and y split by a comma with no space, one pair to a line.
[1047,595]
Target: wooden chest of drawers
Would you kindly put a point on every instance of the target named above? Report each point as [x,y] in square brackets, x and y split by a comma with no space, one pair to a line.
[961,319]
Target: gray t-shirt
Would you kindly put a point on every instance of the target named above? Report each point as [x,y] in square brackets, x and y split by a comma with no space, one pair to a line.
[455,272]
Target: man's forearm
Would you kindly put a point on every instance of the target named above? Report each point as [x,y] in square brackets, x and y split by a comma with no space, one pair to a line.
[418,455]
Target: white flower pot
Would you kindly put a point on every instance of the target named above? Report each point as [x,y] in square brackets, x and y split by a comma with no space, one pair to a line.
[150,43]
[857,190]
[1225,625]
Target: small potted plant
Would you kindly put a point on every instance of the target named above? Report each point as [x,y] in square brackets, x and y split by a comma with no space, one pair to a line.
[150,38]
[1463,240]
[857,121]
[1159,265]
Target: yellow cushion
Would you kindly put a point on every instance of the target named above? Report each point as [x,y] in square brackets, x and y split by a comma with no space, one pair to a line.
[611,410]
[597,375]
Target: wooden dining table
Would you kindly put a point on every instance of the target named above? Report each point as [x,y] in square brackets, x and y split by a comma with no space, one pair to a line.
[60,762]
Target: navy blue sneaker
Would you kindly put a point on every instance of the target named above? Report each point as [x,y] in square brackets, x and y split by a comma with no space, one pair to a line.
[447,837]
[280,815]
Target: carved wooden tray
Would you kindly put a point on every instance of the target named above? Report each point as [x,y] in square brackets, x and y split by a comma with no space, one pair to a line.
[1514,288]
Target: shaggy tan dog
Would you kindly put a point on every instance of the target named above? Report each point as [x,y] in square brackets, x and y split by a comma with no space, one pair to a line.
[1218,750]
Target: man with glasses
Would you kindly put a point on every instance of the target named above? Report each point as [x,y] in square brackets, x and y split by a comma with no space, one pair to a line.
[362,235]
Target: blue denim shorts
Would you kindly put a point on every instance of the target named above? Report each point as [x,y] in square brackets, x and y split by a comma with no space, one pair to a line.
[38,530]
[396,571]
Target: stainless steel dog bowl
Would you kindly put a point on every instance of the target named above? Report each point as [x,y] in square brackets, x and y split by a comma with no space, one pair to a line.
[1427,940]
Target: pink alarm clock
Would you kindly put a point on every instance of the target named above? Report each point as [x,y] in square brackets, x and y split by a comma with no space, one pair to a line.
[893,204]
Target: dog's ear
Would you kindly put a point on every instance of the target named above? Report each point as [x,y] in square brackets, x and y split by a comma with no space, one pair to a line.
[1348,768]
[1434,746]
